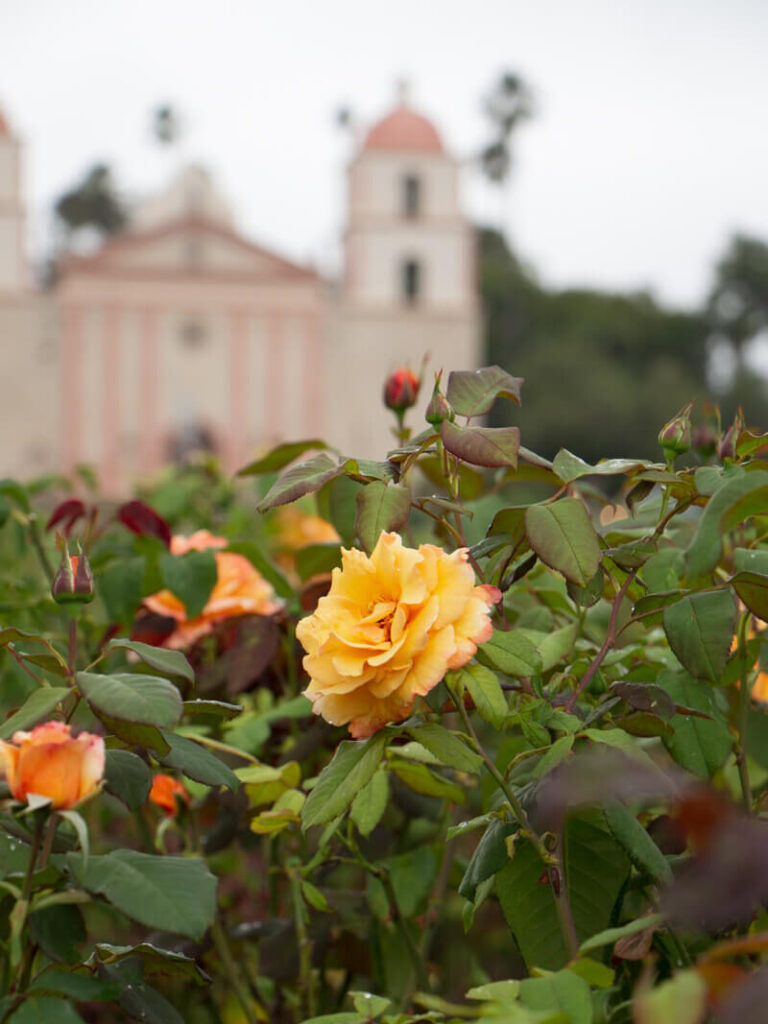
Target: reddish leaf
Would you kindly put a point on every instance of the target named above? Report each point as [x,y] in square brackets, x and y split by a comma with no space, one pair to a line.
[143,520]
[67,513]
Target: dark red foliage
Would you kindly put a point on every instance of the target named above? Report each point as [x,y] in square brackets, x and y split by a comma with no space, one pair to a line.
[66,513]
[144,521]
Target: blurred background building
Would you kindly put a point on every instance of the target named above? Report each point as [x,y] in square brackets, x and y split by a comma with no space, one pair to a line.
[178,333]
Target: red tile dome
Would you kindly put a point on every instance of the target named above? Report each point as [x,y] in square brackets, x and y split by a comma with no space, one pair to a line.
[404,129]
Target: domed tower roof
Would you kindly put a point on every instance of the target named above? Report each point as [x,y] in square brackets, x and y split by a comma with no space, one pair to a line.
[404,129]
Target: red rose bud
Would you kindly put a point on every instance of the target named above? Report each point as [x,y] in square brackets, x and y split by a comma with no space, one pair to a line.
[439,408]
[705,439]
[73,583]
[401,390]
[675,436]
[727,447]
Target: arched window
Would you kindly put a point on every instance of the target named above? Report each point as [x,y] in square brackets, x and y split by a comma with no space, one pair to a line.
[411,281]
[411,196]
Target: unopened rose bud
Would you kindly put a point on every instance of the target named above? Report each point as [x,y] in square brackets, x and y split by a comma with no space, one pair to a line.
[705,439]
[675,436]
[727,447]
[439,408]
[401,390]
[73,583]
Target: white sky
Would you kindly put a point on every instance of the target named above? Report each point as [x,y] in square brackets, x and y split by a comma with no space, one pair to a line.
[649,146]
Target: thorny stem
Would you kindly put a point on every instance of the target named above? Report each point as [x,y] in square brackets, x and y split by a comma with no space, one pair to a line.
[744,698]
[550,858]
[610,637]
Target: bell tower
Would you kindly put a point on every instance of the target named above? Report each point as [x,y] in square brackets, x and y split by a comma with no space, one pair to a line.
[13,272]
[409,289]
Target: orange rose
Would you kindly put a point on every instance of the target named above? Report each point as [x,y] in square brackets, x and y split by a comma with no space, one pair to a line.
[50,762]
[240,590]
[389,629]
[759,691]
[164,791]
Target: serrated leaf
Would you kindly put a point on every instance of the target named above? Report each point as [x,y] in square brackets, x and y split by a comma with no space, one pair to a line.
[39,705]
[735,500]
[482,446]
[563,537]
[139,699]
[483,686]
[305,478]
[563,992]
[370,803]
[511,653]
[473,392]
[608,936]
[446,746]
[558,752]
[570,467]
[420,779]
[197,763]
[352,767]
[173,663]
[380,508]
[637,844]
[172,894]
[700,629]
[752,588]
[127,777]
[281,456]
[699,745]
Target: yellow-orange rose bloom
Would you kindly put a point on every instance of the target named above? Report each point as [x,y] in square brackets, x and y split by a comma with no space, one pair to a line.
[389,629]
[240,590]
[165,790]
[50,762]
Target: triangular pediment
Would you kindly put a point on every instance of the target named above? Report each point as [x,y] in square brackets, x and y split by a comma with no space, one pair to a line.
[190,246]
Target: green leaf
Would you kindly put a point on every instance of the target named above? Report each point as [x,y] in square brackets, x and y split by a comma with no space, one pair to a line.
[420,779]
[217,708]
[563,537]
[587,596]
[596,869]
[280,456]
[473,392]
[154,960]
[81,987]
[699,629]
[700,745]
[370,803]
[570,467]
[680,1000]
[127,777]
[482,446]
[121,587]
[637,844]
[315,897]
[663,571]
[147,736]
[144,700]
[558,752]
[190,577]
[173,894]
[483,686]
[58,930]
[368,1004]
[510,653]
[563,991]
[752,588]
[737,499]
[381,508]
[751,560]
[173,663]
[490,856]
[197,763]
[609,936]
[446,746]
[307,477]
[551,647]
[52,1010]
[317,559]
[338,1018]
[352,767]
[39,705]
[496,991]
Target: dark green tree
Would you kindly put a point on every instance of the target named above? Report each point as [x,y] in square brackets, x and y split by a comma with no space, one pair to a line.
[93,203]
[738,302]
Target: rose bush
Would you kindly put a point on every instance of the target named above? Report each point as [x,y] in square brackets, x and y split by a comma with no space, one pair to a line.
[552,809]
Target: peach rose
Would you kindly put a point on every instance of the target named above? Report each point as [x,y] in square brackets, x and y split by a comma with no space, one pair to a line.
[389,629]
[164,791]
[50,762]
[240,590]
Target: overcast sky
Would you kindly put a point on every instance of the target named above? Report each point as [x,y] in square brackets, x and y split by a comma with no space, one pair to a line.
[649,145]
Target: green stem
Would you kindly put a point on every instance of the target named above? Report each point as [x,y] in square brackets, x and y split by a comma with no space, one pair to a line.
[25,967]
[245,999]
[72,653]
[413,950]
[34,536]
[550,858]
[744,699]
[304,944]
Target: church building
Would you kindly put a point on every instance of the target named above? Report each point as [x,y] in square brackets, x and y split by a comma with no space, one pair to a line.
[180,333]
